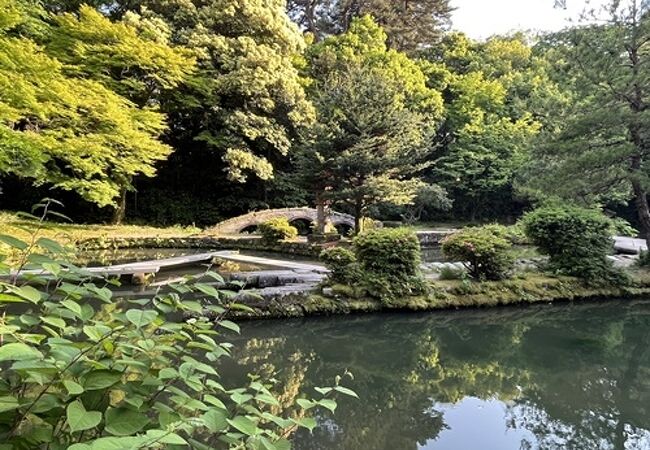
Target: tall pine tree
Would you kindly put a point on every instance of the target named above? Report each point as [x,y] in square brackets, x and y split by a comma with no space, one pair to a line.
[409,24]
[600,147]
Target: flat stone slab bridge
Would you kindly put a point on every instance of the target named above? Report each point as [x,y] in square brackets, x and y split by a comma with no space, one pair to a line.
[238,224]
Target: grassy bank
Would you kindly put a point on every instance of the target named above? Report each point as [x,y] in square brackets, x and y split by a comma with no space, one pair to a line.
[453,294]
[72,233]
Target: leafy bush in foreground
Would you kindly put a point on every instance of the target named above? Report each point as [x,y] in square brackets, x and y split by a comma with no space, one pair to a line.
[278,229]
[577,241]
[484,251]
[84,370]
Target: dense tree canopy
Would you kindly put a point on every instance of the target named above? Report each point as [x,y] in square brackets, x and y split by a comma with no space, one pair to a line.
[60,125]
[493,94]
[409,24]
[234,106]
[247,100]
[598,149]
[376,118]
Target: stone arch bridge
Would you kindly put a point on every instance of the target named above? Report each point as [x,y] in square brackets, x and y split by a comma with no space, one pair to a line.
[248,221]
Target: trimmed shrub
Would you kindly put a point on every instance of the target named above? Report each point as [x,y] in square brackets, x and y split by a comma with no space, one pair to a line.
[484,250]
[577,241]
[275,230]
[389,259]
[341,263]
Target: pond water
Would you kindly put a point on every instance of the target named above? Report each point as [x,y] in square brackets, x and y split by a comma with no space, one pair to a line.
[569,376]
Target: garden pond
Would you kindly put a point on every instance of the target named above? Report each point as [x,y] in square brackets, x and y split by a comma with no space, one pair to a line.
[563,376]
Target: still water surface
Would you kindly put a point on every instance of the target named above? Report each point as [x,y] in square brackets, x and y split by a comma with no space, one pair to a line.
[550,377]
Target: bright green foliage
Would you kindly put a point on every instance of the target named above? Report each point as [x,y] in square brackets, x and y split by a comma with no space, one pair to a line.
[84,370]
[409,24]
[72,132]
[494,90]
[132,57]
[376,117]
[276,230]
[247,100]
[341,263]
[389,260]
[598,149]
[484,250]
[577,240]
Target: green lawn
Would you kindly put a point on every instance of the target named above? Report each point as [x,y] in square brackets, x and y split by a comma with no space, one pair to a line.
[21,228]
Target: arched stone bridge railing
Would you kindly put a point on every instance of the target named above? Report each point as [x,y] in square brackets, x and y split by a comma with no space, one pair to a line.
[238,224]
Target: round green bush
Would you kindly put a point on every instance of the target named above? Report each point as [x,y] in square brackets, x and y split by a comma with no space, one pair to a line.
[340,261]
[389,263]
[484,250]
[275,230]
[577,241]
[394,252]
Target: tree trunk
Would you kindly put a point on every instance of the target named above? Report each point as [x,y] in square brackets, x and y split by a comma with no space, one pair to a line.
[320,215]
[120,208]
[642,210]
[358,217]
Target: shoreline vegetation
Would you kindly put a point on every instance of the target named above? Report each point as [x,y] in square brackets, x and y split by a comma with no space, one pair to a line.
[445,295]
[337,298]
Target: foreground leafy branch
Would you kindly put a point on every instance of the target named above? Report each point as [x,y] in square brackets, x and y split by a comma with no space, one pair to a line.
[83,370]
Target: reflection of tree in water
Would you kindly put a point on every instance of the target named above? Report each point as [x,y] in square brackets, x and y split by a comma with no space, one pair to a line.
[596,395]
[576,377]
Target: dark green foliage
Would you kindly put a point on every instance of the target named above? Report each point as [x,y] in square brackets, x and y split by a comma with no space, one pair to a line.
[597,149]
[276,230]
[576,239]
[409,25]
[390,262]
[644,259]
[341,263]
[484,250]
[394,252]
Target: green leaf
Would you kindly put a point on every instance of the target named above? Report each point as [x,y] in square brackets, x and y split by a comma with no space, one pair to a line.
[50,245]
[124,422]
[328,403]
[305,422]
[13,242]
[73,387]
[141,317]
[54,321]
[101,379]
[230,325]
[305,404]
[29,293]
[18,351]
[346,391]
[9,298]
[165,437]
[80,419]
[215,420]
[266,398]
[72,306]
[8,403]
[244,424]
[96,333]
[207,290]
